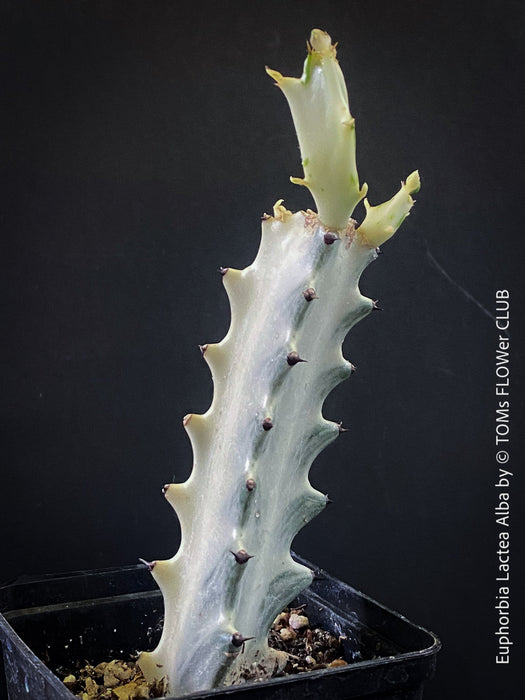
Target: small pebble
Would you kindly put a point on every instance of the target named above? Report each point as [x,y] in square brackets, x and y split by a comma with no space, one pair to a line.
[297,622]
[115,672]
[91,688]
[69,681]
[100,668]
[130,691]
[287,634]
[281,620]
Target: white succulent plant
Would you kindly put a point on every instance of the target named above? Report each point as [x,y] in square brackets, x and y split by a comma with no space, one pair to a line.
[249,494]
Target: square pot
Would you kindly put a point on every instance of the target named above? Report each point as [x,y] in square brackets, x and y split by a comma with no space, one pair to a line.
[111,613]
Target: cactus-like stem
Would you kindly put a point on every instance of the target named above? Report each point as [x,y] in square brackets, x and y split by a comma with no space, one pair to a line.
[249,494]
[326,132]
[382,222]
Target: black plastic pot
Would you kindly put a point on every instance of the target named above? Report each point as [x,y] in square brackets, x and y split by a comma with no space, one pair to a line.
[110,613]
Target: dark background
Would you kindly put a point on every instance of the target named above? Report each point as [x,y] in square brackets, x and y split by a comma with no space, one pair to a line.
[141,143]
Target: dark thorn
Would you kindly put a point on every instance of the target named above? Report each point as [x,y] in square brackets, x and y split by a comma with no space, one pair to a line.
[165,488]
[223,270]
[149,564]
[203,348]
[267,424]
[309,294]
[341,429]
[293,358]
[242,556]
[250,484]
[238,640]
[375,306]
[330,238]
[379,251]
[328,500]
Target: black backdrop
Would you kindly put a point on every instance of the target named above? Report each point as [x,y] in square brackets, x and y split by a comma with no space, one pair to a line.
[142,141]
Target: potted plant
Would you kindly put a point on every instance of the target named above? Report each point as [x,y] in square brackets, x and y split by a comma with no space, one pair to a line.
[249,494]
